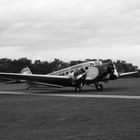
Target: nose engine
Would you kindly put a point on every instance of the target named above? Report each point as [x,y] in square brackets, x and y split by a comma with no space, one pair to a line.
[113,71]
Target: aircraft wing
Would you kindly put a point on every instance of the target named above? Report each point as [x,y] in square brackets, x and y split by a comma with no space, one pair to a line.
[127,73]
[39,79]
[120,75]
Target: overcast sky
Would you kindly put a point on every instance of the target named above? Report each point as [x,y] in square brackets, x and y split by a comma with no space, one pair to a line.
[70,29]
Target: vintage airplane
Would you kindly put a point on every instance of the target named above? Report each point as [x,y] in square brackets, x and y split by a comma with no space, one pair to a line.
[87,73]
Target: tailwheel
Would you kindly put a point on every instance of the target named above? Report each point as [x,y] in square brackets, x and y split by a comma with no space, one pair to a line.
[99,87]
[28,87]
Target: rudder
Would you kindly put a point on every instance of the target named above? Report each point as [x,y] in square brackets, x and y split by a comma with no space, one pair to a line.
[26,71]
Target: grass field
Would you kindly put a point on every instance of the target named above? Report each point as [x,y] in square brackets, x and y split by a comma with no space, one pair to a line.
[29,117]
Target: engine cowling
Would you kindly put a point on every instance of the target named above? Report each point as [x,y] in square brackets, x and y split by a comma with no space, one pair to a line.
[113,71]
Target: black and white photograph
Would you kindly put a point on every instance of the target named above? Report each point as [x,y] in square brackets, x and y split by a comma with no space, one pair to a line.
[69,70]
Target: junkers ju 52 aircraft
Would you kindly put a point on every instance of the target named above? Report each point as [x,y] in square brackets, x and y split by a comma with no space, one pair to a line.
[87,73]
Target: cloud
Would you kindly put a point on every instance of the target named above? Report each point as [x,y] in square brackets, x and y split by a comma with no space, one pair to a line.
[53,27]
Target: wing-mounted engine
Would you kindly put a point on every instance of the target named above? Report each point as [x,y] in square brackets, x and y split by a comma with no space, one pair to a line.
[112,71]
[78,78]
[78,74]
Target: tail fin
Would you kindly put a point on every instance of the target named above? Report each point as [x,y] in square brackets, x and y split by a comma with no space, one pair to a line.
[26,71]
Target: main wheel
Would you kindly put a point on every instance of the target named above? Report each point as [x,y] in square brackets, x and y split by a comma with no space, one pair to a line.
[99,87]
[79,87]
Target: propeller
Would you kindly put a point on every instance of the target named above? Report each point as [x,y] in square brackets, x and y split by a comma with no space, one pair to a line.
[112,71]
[79,73]
[79,77]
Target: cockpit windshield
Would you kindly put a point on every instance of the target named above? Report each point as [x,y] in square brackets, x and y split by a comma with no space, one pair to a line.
[95,63]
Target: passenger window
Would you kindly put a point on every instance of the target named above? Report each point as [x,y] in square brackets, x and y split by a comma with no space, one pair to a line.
[67,73]
[71,71]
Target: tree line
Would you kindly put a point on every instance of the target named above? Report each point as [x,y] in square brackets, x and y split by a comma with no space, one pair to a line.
[45,67]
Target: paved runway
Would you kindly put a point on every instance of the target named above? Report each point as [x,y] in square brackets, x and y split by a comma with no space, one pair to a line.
[73,95]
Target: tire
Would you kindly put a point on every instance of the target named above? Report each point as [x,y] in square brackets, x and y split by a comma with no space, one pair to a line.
[99,87]
[76,89]
[79,87]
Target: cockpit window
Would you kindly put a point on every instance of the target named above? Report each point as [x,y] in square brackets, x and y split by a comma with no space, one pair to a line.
[92,64]
[96,63]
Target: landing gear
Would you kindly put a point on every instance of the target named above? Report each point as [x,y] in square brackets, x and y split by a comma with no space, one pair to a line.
[79,87]
[28,87]
[98,86]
